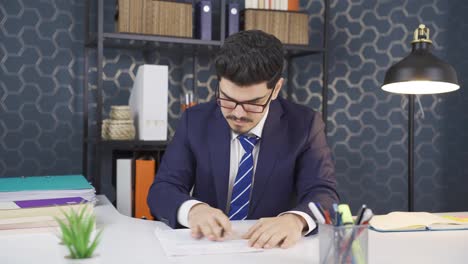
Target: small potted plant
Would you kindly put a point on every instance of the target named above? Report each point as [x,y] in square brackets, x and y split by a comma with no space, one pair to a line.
[79,236]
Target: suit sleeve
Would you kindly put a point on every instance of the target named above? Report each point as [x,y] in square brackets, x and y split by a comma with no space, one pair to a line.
[174,179]
[315,170]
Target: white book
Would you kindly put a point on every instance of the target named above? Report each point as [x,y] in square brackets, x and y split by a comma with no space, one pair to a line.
[124,186]
[267,4]
[261,4]
[254,3]
[284,4]
[148,102]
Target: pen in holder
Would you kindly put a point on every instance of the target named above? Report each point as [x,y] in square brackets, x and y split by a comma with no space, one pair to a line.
[187,99]
[343,244]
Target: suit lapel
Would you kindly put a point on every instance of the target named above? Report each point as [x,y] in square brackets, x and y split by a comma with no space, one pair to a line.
[219,147]
[273,141]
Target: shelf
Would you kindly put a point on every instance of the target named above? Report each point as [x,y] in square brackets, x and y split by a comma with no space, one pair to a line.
[128,144]
[148,42]
[301,50]
[142,41]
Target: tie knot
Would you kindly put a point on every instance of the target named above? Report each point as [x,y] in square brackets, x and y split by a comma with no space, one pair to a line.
[248,142]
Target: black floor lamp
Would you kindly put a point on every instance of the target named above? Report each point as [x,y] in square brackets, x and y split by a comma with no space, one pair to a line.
[419,73]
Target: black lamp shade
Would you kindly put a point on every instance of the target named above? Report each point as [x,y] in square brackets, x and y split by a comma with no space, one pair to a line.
[421,73]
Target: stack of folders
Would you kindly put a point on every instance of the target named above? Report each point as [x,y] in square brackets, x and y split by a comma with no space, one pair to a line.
[36,201]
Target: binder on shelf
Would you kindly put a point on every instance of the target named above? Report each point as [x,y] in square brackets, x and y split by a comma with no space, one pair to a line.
[148,101]
[203,14]
[293,5]
[144,177]
[124,186]
[233,19]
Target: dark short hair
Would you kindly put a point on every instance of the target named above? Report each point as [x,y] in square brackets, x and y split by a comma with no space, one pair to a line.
[250,57]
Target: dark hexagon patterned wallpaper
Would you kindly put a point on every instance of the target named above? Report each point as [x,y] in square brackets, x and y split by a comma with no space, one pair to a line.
[41,93]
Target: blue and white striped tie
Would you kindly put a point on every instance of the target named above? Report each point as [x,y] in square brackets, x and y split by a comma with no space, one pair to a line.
[243,183]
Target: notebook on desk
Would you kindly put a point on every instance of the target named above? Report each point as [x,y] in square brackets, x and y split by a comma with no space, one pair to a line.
[414,221]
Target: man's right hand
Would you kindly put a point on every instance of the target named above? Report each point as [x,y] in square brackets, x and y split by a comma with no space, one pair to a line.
[209,222]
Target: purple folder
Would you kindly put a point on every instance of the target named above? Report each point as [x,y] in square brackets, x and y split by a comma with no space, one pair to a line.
[203,15]
[233,19]
[50,202]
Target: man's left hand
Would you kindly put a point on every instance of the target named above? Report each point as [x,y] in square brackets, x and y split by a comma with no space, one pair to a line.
[283,231]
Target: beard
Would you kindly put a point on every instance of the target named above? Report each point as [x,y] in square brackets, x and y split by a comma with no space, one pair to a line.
[237,128]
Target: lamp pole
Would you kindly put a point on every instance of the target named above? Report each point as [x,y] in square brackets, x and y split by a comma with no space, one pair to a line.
[411,152]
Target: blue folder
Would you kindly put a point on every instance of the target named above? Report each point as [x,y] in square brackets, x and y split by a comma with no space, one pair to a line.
[44,183]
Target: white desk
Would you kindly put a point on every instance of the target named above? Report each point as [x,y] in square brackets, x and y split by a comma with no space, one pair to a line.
[127,240]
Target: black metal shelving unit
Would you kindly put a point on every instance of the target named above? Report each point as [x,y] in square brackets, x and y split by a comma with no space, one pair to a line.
[99,40]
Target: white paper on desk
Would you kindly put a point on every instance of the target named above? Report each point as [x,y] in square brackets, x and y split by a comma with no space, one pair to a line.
[179,242]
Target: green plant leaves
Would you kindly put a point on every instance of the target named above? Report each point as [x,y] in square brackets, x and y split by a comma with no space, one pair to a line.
[77,230]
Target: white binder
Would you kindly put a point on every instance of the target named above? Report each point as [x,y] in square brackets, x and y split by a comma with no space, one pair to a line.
[124,186]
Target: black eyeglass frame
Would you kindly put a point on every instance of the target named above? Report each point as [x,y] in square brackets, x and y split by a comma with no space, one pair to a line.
[263,106]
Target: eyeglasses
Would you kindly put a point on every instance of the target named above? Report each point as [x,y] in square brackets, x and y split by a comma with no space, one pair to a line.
[248,107]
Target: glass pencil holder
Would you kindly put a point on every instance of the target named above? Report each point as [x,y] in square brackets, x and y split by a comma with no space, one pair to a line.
[343,244]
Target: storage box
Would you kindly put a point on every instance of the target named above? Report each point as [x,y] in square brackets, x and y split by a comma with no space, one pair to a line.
[148,101]
[154,17]
[288,27]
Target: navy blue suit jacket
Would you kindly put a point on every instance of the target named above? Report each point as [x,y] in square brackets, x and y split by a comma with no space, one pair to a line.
[294,164]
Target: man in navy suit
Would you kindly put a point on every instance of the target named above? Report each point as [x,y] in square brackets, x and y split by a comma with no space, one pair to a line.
[247,155]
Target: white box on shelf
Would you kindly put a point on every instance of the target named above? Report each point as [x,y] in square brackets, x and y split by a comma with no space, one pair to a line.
[148,101]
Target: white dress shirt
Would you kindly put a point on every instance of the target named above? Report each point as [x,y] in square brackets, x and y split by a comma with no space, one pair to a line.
[237,151]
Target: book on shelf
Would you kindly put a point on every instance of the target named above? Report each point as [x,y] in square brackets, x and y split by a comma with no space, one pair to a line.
[415,221]
[293,5]
[251,4]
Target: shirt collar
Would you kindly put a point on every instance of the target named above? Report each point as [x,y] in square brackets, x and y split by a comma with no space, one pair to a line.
[256,130]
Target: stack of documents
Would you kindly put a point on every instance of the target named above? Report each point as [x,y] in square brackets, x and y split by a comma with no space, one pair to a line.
[33,202]
[179,242]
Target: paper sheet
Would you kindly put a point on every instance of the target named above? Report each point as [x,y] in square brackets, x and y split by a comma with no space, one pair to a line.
[179,242]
